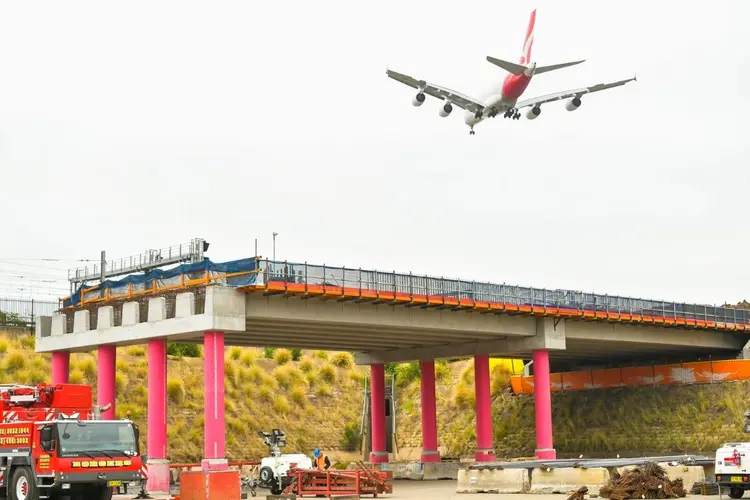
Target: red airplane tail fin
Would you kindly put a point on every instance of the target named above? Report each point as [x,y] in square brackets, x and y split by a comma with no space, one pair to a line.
[529,40]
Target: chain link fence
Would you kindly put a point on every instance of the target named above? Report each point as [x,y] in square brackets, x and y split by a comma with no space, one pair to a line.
[17,312]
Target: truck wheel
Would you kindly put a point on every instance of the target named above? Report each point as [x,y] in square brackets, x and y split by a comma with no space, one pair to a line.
[266,476]
[276,489]
[105,493]
[22,485]
[736,492]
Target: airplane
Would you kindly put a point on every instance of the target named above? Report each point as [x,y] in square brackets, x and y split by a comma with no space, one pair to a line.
[504,98]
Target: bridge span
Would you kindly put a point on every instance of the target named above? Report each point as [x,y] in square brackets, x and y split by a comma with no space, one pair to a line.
[383,317]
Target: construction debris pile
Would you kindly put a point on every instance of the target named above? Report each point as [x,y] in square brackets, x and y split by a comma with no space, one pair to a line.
[646,481]
[580,494]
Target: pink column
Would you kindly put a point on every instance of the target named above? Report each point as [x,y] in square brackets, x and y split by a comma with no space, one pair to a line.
[429,414]
[60,367]
[543,406]
[379,453]
[485,450]
[156,447]
[213,395]
[106,392]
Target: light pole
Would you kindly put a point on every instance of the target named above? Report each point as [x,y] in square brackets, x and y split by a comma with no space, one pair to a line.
[274,245]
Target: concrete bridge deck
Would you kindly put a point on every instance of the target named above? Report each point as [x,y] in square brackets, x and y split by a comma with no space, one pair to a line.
[386,317]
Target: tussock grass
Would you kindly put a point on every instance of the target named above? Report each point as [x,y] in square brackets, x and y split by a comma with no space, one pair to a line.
[15,361]
[328,373]
[176,390]
[136,351]
[287,375]
[342,360]
[249,357]
[322,355]
[255,374]
[324,390]
[307,365]
[282,356]
[28,342]
[299,395]
[88,367]
[281,405]
[76,377]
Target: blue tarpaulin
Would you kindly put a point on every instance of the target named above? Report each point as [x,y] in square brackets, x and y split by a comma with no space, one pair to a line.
[166,277]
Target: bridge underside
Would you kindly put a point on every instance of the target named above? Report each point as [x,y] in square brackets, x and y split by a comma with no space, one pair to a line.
[384,332]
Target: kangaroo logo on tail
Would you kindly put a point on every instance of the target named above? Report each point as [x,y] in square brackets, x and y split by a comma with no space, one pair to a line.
[529,40]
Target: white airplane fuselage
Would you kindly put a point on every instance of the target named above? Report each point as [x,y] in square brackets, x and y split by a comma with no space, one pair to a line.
[502,97]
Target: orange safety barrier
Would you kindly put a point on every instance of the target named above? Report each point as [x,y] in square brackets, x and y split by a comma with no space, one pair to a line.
[332,291]
[213,485]
[698,372]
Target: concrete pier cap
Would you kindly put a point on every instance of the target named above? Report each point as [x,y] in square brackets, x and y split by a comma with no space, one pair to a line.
[515,339]
[224,310]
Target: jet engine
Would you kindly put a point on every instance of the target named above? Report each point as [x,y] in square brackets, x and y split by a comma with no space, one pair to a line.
[573,103]
[418,99]
[446,109]
[533,112]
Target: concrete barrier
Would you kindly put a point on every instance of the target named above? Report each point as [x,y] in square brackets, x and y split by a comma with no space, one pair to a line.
[418,471]
[493,481]
[568,479]
[441,470]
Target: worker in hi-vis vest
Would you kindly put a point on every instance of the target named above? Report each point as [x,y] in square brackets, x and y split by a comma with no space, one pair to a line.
[321,461]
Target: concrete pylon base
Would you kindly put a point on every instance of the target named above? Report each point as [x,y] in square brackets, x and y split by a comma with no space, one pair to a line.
[209,464]
[158,476]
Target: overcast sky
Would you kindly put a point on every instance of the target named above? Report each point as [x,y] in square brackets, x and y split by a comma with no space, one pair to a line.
[131,125]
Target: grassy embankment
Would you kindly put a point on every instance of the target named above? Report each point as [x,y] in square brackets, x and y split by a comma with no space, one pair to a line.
[629,421]
[318,399]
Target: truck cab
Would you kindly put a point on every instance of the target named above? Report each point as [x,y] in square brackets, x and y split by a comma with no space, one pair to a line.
[732,465]
[53,445]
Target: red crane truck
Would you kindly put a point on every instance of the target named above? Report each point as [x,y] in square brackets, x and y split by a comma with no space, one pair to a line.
[53,445]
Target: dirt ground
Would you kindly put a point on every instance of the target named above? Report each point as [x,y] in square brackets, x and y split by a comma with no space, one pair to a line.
[445,490]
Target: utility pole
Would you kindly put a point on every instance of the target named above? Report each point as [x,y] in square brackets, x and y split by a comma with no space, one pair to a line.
[274,245]
[104,265]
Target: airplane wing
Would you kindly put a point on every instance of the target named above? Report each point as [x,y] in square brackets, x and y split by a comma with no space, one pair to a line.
[460,100]
[535,101]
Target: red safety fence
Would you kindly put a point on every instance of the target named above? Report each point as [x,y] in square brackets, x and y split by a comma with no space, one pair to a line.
[231,464]
[699,372]
[330,483]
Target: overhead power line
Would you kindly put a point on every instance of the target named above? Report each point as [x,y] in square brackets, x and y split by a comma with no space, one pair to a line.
[32,265]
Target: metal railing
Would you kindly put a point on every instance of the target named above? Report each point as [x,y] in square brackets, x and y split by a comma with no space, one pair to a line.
[191,251]
[292,272]
[23,312]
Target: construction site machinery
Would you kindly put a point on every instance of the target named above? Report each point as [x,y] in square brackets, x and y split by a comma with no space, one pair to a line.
[54,445]
[732,464]
[274,470]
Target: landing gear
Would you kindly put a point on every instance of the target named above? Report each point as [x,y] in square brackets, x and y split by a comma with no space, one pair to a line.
[513,114]
[471,131]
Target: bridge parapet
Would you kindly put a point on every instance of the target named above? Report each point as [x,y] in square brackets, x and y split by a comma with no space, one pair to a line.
[381,287]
